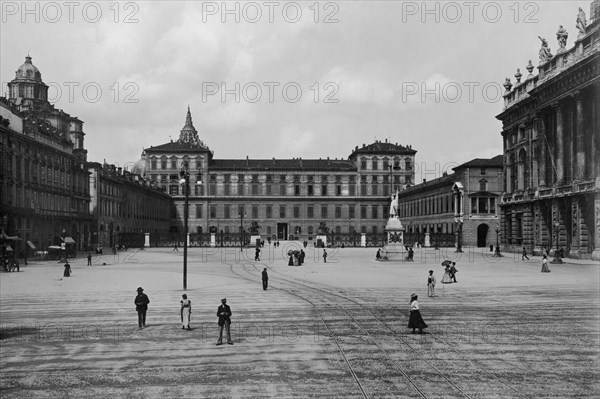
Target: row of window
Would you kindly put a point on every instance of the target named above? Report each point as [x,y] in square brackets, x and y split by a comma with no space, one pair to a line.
[141,209]
[384,164]
[373,164]
[230,211]
[286,190]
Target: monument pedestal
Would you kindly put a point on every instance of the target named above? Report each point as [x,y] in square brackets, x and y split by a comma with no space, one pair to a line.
[394,249]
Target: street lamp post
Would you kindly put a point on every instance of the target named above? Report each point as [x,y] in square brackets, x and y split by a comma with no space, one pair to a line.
[557,258]
[185,182]
[241,214]
[498,241]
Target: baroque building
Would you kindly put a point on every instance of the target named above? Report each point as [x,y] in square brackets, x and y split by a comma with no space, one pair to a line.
[288,198]
[460,208]
[44,186]
[550,132]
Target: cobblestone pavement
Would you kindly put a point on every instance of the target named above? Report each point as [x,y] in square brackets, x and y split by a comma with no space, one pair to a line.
[321,330]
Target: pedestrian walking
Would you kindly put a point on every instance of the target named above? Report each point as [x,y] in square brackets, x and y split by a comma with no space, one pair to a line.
[141,302]
[378,254]
[185,311]
[324,256]
[524,254]
[257,254]
[301,257]
[446,279]
[545,268]
[68,271]
[175,248]
[415,320]
[89,258]
[431,284]
[224,313]
[453,271]
[265,279]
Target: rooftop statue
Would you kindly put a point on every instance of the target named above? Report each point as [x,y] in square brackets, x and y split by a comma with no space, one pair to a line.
[545,52]
[581,22]
[561,36]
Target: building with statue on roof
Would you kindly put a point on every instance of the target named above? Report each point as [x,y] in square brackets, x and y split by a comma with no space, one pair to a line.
[287,198]
[551,139]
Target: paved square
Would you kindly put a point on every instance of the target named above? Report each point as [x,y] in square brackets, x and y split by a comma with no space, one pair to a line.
[321,330]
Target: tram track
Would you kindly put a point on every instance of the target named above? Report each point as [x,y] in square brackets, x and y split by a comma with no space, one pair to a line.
[415,357]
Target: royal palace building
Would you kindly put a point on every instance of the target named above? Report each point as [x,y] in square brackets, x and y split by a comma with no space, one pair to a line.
[551,138]
[286,198]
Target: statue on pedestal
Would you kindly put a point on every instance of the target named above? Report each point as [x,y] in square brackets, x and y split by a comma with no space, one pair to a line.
[581,22]
[545,52]
[561,36]
[394,206]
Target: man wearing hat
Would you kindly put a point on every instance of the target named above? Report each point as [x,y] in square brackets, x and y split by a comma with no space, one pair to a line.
[431,284]
[224,314]
[141,306]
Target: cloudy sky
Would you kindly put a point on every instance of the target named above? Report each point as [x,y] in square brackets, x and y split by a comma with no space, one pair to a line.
[284,79]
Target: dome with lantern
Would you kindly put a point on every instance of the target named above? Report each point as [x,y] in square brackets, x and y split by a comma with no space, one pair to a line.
[28,71]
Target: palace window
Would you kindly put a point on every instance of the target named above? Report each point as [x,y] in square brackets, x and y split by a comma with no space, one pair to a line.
[324,212]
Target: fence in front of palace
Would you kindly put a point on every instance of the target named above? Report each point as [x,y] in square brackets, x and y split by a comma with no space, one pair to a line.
[137,240]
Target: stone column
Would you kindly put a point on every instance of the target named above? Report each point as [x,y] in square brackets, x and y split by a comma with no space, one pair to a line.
[543,149]
[559,144]
[580,150]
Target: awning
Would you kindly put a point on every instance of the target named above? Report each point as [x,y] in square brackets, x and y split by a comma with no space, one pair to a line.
[31,245]
[69,240]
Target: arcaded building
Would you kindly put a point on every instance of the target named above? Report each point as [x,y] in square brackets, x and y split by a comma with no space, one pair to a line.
[44,187]
[287,198]
[551,137]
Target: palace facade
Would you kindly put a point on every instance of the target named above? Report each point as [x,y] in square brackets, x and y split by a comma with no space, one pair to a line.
[50,194]
[460,208]
[551,138]
[44,187]
[288,198]
[125,207]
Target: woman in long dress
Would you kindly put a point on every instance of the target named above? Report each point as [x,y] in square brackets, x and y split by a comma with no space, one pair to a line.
[186,310]
[415,320]
[545,268]
[446,279]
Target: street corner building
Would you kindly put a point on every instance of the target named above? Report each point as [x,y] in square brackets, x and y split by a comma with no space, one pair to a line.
[551,140]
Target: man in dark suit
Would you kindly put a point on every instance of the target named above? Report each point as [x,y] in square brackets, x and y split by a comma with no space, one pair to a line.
[265,279]
[224,313]
[141,306]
